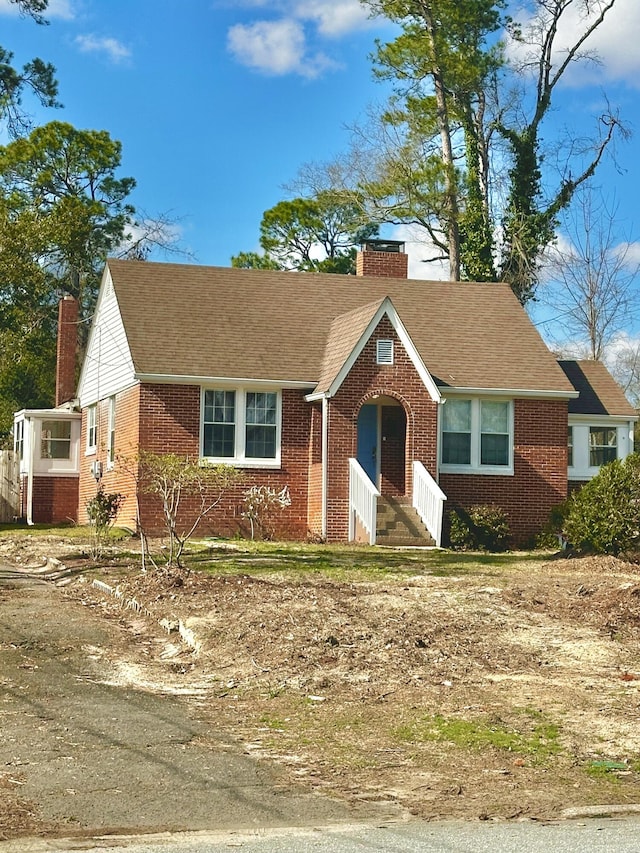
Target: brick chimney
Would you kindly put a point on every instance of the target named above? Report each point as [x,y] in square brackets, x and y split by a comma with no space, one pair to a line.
[67,347]
[382,258]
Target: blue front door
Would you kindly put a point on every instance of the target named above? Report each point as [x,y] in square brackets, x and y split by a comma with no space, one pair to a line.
[368,441]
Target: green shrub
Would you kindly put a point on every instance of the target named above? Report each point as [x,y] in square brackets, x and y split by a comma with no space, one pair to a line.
[102,510]
[483,527]
[604,515]
[552,534]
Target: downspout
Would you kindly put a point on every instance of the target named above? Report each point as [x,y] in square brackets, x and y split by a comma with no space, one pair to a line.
[32,443]
[325,463]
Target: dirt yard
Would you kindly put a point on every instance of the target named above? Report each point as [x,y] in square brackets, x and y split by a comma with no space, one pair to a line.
[454,685]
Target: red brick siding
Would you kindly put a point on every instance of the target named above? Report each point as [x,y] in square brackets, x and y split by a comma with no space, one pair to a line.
[122,477]
[170,423]
[539,481]
[386,264]
[55,499]
[365,380]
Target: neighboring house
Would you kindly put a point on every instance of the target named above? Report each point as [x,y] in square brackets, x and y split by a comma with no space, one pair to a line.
[371,397]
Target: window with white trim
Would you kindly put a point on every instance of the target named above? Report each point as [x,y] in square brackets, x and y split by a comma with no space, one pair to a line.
[18,440]
[241,426]
[55,440]
[477,435]
[111,434]
[603,445]
[92,428]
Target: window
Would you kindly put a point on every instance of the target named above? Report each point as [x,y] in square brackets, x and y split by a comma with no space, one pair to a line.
[603,445]
[92,428]
[18,440]
[241,426]
[477,435]
[456,433]
[261,425]
[494,433]
[384,352]
[219,424]
[570,446]
[55,440]
[111,434]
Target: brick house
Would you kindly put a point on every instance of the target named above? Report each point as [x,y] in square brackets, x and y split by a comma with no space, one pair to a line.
[376,399]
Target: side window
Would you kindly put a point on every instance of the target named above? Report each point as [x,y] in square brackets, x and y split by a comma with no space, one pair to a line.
[92,428]
[111,434]
[570,447]
[260,419]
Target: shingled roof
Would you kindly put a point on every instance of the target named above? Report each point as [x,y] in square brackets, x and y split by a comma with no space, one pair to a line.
[599,393]
[196,321]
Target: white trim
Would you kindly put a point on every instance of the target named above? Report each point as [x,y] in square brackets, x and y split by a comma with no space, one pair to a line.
[91,448]
[325,464]
[602,420]
[225,382]
[447,390]
[475,467]
[387,308]
[239,459]
[111,432]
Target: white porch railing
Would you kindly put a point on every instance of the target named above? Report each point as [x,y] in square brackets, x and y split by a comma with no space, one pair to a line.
[428,501]
[363,502]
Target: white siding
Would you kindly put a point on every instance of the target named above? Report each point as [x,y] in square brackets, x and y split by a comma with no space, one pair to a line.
[108,366]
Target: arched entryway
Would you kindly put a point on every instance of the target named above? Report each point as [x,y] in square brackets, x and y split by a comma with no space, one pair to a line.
[381,444]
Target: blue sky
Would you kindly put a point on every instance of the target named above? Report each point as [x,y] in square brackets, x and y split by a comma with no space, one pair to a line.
[217,103]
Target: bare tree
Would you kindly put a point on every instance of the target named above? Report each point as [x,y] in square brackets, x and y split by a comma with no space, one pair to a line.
[592,272]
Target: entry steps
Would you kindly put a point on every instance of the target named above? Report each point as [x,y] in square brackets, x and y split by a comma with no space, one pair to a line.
[398,524]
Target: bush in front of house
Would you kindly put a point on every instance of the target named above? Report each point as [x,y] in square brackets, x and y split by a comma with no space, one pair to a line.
[482,527]
[604,515]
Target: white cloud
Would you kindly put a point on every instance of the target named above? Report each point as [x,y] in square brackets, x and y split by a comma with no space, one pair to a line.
[275,47]
[333,17]
[282,45]
[114,50]
[615,42]
[421,250]
[56,9]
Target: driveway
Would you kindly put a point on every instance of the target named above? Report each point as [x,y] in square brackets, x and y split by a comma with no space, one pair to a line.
[80,753]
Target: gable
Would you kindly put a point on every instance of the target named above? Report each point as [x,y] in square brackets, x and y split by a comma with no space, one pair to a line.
[348,337]
[192,321]
[107,366]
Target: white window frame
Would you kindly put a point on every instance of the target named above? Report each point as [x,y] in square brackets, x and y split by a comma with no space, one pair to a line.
[111,434]
[581,426]
[475,466]
[240,459]
[92,429]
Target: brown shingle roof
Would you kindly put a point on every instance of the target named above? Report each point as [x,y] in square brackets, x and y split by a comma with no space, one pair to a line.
[185,320]
[600,394]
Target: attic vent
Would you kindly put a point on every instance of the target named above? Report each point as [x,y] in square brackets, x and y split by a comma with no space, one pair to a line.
[384,352]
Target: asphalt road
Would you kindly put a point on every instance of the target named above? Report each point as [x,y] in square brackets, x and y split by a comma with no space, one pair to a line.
[593,836]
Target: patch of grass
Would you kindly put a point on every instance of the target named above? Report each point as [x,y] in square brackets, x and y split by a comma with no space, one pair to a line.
[64,531]
[540,742]
[348,563]
[605,769]
[274,723]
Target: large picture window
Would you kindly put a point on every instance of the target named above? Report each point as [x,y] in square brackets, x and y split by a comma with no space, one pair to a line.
[241,426]
[477,435]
